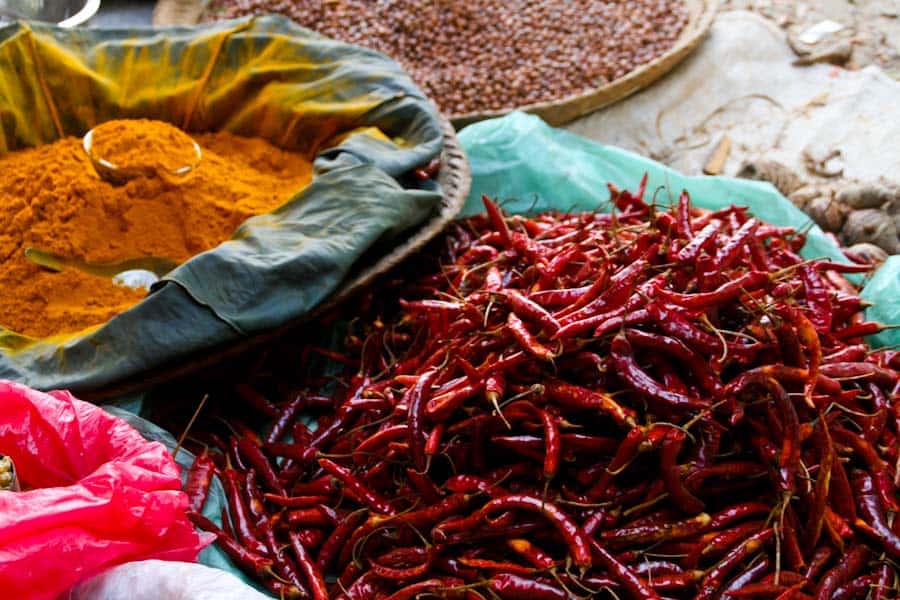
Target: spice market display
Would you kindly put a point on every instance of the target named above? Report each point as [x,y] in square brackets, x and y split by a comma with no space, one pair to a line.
[642,404]
[269,328]
[480,55]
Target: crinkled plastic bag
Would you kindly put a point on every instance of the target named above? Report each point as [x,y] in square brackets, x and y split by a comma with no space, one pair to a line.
[212,555]
[529,166]
[97,495]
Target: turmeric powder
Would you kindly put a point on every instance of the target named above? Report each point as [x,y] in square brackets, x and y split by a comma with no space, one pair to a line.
[143,143]
[52,199]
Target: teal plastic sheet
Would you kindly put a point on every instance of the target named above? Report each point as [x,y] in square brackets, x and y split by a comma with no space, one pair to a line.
[529,166]
[353,110]
[883,291]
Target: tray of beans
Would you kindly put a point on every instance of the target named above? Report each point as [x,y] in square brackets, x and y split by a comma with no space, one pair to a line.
[559,59]
[652,402]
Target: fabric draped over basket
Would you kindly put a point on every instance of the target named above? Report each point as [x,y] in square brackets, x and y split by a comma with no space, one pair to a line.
[353,110]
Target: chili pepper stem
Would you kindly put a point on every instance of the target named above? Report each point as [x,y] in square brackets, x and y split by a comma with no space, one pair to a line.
[190,424]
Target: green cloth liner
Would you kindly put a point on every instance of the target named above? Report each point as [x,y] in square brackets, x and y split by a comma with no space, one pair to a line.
[353,110]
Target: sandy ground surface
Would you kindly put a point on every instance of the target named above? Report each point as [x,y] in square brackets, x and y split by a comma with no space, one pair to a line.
[871,27]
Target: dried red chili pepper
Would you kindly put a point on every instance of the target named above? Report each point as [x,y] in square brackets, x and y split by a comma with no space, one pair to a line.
[435,584]
[718,542]
[528,309]
[255,400]
[255,458]
[847,568]
[631,582]
[818,297]
[285,418]
[859,330]
[872,521]
[516,587]
[405,573]
[255,563]
[552,444]
[573,396]
[530,552]
[571,533]
[315,516]
[442,405]
[526,339]
[495,566]
[703,240]
[198,481]
[729,252]
[255,505]
[314,579]
[378,440]
[627,368]
[620,286]
[748,282]
[417,398]
[296,501]
[878,468]
[751,574]
[372,499]
[283,565]
[358,587]
[715,577]
[683,215]
[497,220]
[243,523]
[700,368]
[884,583]
[657,532]
[338,538]
[671,447]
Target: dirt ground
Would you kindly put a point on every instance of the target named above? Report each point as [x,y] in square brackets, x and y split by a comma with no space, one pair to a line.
[871,27]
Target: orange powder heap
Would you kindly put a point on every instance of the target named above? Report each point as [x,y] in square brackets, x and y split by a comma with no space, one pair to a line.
[143,143]
[51,198]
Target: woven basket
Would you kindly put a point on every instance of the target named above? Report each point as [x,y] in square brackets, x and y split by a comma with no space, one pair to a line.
[455,180]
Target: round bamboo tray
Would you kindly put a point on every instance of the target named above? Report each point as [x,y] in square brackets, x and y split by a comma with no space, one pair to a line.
[455,180]
[701,14]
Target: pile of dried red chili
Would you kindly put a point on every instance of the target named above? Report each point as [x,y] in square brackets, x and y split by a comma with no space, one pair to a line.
[643,404]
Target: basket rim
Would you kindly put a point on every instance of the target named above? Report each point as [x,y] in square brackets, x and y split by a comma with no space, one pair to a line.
[455,180]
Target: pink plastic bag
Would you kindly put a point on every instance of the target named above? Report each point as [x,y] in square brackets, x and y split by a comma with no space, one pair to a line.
[98,495]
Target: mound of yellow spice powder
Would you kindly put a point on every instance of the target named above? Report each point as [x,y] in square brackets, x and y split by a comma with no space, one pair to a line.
[131,143]
[51,198]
